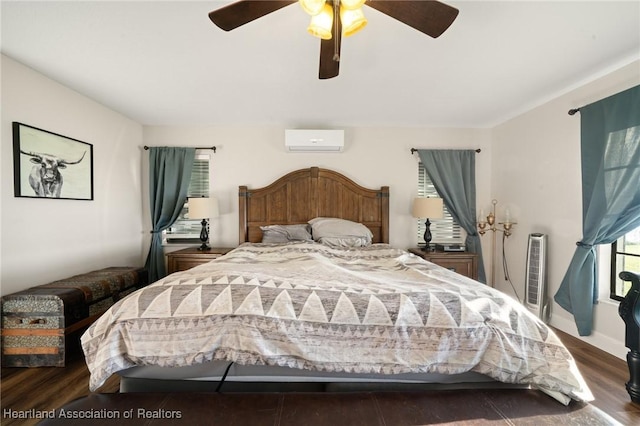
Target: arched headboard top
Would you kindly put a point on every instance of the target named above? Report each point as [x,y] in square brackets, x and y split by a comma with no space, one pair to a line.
[301,195]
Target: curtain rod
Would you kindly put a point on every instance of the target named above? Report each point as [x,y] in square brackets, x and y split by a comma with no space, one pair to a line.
[196,147]
[573,111]
[414,150]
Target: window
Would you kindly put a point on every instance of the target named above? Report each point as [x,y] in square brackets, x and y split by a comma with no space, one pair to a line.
[445,230]
[625,256]
[185,231]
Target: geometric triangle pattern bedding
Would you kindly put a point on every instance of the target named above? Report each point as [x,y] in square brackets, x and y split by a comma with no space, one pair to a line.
[305,305]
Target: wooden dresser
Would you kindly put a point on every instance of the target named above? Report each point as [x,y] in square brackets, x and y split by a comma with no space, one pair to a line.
[461,262]
[184,259]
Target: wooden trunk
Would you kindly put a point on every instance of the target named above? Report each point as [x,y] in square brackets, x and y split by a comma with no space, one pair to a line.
[41,323]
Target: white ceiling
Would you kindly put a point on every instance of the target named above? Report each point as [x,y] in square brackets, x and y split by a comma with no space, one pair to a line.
[165,63]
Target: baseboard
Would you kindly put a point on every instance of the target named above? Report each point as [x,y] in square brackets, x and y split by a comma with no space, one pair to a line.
[599,340]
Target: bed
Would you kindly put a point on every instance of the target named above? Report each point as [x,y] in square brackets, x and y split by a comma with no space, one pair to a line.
[339,309]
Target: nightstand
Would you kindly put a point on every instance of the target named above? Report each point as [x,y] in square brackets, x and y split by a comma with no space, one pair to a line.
[184,259]
[463,263]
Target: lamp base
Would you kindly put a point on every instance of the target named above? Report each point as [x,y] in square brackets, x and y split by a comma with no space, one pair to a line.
[427,236]
[204,236]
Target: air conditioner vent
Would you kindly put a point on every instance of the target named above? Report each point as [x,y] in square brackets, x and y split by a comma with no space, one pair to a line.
[305,140]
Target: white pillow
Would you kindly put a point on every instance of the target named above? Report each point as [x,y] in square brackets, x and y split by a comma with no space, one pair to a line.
[340,232]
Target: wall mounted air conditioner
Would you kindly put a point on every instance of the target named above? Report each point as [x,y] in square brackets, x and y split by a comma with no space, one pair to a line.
[305,140]
[536,299]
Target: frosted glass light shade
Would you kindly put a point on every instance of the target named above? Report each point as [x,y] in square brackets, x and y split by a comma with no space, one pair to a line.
[352,21]
[321,24]
[312,7]
[352,4]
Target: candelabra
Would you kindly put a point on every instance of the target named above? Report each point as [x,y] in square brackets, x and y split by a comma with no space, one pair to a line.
[488,223]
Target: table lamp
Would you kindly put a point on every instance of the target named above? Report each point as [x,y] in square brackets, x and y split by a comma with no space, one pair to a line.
[203,208]
[427,208]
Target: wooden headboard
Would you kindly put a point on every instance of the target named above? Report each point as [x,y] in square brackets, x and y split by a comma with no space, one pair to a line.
[304,194]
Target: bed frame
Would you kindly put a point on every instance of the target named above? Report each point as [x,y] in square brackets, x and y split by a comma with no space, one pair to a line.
[295,198]
[301,195]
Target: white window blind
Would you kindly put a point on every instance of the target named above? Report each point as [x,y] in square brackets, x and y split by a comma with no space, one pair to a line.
[184,230]
[199,183]
[445,230]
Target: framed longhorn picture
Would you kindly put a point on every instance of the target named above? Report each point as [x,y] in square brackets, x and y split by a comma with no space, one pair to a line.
[49,165]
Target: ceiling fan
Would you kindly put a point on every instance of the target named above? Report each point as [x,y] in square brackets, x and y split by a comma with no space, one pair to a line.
[331,19]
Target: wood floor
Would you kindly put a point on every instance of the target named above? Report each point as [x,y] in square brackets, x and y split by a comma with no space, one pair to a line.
[45,389]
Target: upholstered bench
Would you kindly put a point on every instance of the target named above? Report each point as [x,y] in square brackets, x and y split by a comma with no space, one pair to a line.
[39,323]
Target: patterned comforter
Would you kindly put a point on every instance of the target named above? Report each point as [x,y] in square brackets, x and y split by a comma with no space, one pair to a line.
[308,306]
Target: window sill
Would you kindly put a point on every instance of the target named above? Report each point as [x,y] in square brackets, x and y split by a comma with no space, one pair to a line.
[181,243]
[609,301]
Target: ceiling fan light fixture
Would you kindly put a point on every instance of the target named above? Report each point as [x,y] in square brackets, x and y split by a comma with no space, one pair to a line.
[352,21]
[312,7]
[332,22]
[352,4]
[321,24]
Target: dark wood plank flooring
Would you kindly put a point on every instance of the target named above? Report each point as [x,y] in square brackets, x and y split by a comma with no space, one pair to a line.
[39,390]
[508,407]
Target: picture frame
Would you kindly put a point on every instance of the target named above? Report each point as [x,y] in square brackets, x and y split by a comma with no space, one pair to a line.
[49,165]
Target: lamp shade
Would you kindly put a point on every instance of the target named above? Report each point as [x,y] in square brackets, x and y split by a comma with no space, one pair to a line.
[353,20]
[312,7]
[203,208]
[431,208]
[321,24]
[352,4]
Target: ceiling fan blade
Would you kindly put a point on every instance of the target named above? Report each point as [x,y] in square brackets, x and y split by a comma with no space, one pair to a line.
[329,67]
[428,16]
[239,13]
[330,52]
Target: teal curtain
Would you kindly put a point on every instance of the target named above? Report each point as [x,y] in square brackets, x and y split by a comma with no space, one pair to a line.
[453,173]
[610,151]
[169,174]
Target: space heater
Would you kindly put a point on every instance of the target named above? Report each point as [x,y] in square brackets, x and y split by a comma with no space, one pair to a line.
[536,278]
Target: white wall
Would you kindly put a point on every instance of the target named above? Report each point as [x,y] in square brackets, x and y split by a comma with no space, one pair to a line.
[536,170]
[373,157]
[530,163]
[45,239]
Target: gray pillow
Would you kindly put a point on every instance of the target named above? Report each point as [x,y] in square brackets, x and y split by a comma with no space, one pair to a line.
[277,234]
